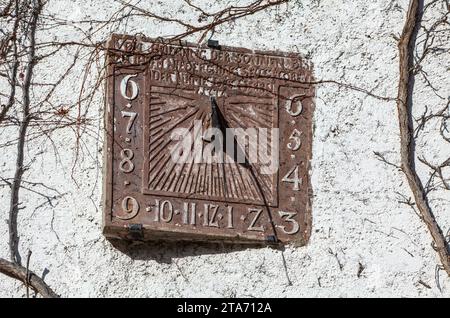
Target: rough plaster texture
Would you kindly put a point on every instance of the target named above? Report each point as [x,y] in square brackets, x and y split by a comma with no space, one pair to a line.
[357,218]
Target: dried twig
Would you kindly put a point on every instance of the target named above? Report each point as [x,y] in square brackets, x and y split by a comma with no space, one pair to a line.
[21,273]
[16,183]
[27,279]
[407,151]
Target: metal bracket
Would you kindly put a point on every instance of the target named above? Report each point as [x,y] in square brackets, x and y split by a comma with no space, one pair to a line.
[136,231]
[271,239]
[214,44]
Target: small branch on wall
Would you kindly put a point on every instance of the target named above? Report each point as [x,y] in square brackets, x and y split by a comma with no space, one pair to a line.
[406,46]
[27,277]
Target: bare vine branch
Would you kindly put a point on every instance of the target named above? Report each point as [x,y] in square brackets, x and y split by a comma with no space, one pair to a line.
[407,150]
[27,277]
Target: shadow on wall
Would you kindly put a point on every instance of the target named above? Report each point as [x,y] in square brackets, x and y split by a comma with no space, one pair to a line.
[164,252]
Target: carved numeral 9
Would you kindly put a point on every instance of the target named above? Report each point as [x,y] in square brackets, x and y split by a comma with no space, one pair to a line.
[126,165]
[130,208]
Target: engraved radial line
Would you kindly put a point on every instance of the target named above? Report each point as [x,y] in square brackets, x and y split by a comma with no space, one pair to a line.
[173,175]
[163,155]
[179,122]
[161,151]
[213,181]
[240,185]
[185,181]
[179,183]
[265,156]
[221,180]
[157,103]
[153,133]
[237,189]
[229,181]
[266,118]
[160,137]
[250,184]
[181,180]
[161,124]
[158,152]
[195,175]
[252,102]
[251,181]
[210,180]
[217,181]
[198,167]
[262,181]
[204,180]
[228,173]
[260,190]
[162,166]
[252,147]
[184,163]
[155,120]
[257,122]
[237,122]
[224,182]
[167,141]
[263,113]
[244,193]
[165,163]
[172,93]
[157,145]
[197,179]
[190,180]
[168,111]
[158,180]
[156,164]
[237,119]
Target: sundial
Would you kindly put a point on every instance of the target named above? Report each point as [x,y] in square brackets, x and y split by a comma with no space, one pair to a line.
[206,143]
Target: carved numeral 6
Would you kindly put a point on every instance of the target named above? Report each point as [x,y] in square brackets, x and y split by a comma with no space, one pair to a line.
[296,144]
[292,177]
[134,87]
[294,102]
[289,218]
[130,208]
[126,165]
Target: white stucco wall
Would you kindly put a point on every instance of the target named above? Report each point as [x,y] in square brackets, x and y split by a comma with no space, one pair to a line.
[356,213]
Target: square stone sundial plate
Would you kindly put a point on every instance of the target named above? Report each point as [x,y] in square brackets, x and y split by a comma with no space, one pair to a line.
[167,103]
